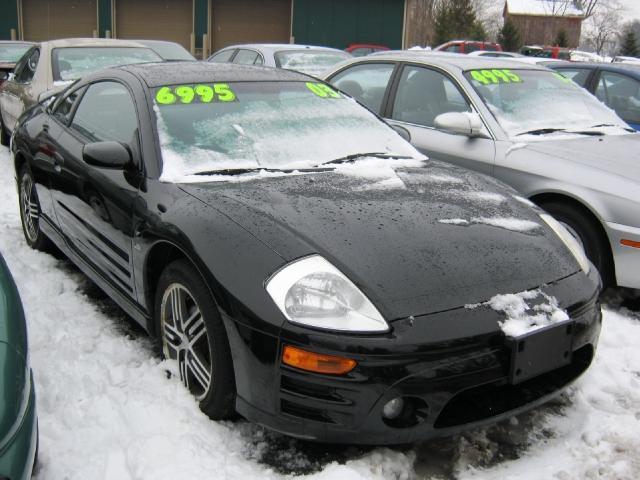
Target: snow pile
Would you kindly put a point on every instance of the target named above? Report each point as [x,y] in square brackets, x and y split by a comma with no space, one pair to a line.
[522,317]
[508,223]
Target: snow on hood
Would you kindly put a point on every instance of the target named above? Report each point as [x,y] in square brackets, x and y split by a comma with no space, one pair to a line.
[525,312]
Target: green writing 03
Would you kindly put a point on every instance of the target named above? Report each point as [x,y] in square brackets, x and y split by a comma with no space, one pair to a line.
[322,90]
[186,94]
[494,76]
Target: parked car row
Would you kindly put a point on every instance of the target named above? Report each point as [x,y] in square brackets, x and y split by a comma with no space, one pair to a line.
[301,262]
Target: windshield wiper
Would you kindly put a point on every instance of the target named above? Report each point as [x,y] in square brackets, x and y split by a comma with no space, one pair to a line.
[541,131]
[242,171]
[356,156]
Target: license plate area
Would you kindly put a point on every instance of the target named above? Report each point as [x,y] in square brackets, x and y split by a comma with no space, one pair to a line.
[540,351]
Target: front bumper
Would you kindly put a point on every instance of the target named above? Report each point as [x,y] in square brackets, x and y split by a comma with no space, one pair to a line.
[18,458]
[626,259]
[450,383]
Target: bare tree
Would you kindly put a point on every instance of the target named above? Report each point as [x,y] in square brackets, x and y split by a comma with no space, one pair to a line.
[421,21]
[589,7]
[602,27]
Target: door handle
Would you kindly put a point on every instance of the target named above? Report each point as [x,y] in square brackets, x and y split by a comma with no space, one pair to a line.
[58,161]
[45,127]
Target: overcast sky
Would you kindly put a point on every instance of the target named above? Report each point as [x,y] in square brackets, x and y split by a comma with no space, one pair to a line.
[633,9]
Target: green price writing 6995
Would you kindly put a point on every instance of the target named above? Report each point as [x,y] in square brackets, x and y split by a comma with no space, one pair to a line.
[185,94]
[494,76]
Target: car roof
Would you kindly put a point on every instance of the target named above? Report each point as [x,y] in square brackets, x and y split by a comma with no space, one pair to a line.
[450,60]
[16,42]
[275,47]
[628,68]
[92,42]
[173,73]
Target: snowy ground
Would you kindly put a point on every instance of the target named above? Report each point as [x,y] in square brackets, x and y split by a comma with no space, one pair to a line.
[108,411]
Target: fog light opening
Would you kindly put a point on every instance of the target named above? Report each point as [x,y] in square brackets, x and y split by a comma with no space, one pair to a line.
[393,408]
[403,412]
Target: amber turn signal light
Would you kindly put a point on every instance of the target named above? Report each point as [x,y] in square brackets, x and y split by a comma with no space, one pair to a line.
[630,243]
[316,362]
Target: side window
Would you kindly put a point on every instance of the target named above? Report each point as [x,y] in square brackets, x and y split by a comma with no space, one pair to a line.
[578,75]
[245,57]
[223,56]
[366,83]
[107,113]
[259,60]
[28,68]
[453,48]
[620,93]
[423,94]
[62,111]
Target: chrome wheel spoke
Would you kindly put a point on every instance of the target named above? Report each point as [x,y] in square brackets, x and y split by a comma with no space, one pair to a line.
[172,336]
[199,369]
[182,364]
[194,327]
[177,310]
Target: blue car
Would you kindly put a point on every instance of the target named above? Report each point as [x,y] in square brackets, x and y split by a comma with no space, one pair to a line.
[616,85]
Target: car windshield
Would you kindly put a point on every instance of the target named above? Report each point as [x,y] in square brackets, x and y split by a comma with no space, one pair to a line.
[311,62]
[219,127]
[539,101]
[70,63]
[11,52]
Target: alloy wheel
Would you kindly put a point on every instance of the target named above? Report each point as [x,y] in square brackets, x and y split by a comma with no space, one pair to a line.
[185,339]
[29,207]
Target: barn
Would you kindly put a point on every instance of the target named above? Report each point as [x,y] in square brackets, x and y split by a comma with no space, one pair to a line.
[540,21]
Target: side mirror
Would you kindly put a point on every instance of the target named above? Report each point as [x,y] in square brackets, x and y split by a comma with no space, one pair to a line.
[4,75]
[460,123]
[106,154]
[403,132]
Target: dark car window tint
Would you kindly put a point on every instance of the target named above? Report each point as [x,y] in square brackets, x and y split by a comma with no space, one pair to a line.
[620,93]
[63,109]
[453,48]
[28,68]
[245,57]
[424,94]
[578,75]
[106,112]
[366,83]
[223,56]
[361,51]
[472,47]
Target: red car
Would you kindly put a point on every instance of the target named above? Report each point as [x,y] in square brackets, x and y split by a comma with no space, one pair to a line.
[364,49]
[555,52]
[468,46]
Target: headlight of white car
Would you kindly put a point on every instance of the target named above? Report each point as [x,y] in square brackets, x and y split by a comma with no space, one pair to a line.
[314,293]
[568,239]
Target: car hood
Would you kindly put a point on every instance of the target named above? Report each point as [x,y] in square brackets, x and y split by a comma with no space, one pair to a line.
[416,240]
[616,154]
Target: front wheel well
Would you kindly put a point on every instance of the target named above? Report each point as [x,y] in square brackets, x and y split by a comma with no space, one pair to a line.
[550,198]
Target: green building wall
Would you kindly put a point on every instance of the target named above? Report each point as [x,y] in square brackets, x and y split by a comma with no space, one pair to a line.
[8,19]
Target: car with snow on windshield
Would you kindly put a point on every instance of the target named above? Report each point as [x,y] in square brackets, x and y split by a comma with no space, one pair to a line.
[297,260]
[48,67]
[526,125]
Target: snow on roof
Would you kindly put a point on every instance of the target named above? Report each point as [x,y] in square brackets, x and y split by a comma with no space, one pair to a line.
[558,8]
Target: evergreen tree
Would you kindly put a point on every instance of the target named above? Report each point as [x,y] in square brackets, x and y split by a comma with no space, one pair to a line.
[561,39]
[457,19]
[509,37]
[629,47]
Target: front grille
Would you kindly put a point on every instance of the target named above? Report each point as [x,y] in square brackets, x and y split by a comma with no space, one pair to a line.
[486,401]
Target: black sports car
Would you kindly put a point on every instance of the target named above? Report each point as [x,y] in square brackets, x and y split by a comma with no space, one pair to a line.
[303,264]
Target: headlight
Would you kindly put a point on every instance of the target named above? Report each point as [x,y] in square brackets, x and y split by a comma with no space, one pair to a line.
[314,293]
[571,243]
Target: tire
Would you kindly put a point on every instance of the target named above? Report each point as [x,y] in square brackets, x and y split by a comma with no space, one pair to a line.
[4,134]
[30,211]
[190,330]
[589,233]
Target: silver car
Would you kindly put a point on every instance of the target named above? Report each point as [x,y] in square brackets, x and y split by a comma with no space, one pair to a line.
[302,58]
[525,125]
[52,66]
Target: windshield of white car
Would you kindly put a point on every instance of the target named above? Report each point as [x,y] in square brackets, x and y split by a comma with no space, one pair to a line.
[309,61]
[12,52]
[540,102]
[70,63]
[265,125]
